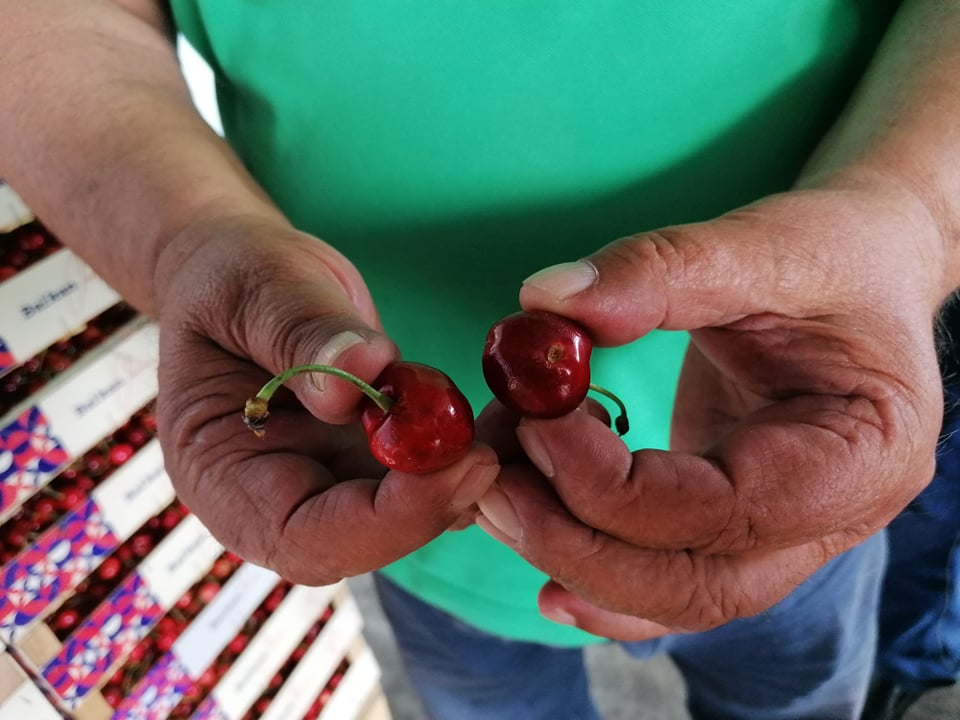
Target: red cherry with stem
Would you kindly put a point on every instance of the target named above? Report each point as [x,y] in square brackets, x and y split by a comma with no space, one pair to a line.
[538,364]
[415,418]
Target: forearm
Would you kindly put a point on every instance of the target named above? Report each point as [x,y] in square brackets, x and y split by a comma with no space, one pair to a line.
[903,126]
[101,138]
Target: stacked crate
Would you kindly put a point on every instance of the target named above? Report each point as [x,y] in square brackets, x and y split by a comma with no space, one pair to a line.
[117,602]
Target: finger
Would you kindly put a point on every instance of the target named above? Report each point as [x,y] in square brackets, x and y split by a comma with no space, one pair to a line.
[764,258]
[496,426]
[360,526]
[564,607]
[281,299]
[790,474]
[286,511]
[680,590]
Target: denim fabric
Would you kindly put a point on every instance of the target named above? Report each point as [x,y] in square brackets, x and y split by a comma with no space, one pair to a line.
[461,673]
[920,611]
[809,657]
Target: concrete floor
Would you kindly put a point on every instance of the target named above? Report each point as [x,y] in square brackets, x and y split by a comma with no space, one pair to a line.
[624,688]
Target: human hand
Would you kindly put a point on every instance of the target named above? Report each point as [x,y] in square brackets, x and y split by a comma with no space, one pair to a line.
[806,414]
[239,301]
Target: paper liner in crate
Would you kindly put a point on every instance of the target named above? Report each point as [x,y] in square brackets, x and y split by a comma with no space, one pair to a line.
[46,572]
[13,211]
[162,688]
[94,397]
[72,671]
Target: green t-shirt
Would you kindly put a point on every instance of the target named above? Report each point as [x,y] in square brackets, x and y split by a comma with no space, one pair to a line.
[450,149]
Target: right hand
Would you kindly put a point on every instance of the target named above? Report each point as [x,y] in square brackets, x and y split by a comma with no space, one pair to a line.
[240,300]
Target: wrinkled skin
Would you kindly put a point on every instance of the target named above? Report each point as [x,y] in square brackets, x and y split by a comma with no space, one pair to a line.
[308,499]
[807,410]
[806,416]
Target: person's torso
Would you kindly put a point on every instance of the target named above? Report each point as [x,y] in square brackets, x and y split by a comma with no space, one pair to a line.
[450,149]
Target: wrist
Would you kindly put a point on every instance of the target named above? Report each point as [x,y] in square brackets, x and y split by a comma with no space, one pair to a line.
[926,223]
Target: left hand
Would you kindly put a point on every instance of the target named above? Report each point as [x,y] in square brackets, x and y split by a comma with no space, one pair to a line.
[806,414]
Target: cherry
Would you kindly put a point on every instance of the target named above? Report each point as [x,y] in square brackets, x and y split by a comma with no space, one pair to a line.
[538,364]
[415,418]
[110,568]
[120,453]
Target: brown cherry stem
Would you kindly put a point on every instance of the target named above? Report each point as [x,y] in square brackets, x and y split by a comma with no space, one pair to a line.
[255,412]
[622,424]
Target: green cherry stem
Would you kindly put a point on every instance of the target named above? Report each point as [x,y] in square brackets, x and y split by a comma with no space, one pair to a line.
[622,424]
[255,412]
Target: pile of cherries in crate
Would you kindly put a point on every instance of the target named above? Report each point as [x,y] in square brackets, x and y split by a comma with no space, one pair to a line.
[23,247]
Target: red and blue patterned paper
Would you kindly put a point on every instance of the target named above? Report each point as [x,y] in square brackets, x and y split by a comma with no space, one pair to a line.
[53,565]
[108,635]
[29,456]
[6,358]
[209,710]
[158,693]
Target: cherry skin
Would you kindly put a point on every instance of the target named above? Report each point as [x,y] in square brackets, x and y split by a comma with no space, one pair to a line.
[538,363]
[429,424]
[415,418]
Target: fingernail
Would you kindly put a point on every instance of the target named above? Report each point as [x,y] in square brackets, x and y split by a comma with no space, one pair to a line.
[332,350]
[564,280]
[533,446]
[498,510]
[476,482]
[560,616]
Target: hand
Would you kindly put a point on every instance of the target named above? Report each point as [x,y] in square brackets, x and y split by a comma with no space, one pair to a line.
[241,300]
[806,415]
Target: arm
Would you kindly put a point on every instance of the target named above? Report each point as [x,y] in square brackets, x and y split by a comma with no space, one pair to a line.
[100,137]
[809,403]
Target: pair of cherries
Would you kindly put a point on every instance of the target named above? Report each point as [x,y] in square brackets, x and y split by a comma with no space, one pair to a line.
[417,420]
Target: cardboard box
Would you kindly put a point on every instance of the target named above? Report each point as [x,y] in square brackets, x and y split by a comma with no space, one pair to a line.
[45,433]
[20,698]
[198,646]
[73,671]
[267,652]
[46,573]
[311,674]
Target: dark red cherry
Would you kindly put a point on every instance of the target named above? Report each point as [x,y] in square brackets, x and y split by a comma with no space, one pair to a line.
[538,363]
[415,418]
[429,424]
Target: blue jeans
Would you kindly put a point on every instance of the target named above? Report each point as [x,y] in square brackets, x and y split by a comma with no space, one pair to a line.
[920,610]
[809,657]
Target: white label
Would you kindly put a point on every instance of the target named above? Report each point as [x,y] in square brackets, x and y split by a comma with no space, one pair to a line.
[50,300]
[218,622]
[88,404]
[134,492]
[314,670]
[249,675]
[179,560]
[356,688]
[13,211]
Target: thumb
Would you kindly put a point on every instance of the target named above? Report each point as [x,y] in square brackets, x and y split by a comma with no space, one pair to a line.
[677,278]
[322,314]
[278,297]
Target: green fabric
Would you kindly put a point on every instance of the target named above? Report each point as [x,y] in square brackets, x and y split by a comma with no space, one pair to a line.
[450,149]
